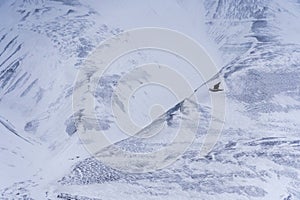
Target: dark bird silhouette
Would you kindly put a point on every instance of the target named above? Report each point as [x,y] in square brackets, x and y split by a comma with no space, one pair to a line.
[216,88]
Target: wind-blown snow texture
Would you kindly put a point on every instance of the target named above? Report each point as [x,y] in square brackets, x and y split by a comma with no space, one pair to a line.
[256,46]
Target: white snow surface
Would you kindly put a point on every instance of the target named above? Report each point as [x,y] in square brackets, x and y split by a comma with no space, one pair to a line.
[254,44]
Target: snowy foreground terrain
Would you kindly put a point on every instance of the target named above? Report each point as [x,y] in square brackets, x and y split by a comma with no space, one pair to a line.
[255,45]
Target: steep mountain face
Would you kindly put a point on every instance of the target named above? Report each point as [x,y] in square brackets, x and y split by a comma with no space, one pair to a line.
[256,48]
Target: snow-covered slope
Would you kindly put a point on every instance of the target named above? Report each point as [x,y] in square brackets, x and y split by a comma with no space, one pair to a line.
[254,44]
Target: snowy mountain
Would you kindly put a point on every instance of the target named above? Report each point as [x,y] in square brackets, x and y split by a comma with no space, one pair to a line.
[256,49]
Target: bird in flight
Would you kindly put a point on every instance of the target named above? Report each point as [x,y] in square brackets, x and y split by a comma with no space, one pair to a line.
[216,88]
